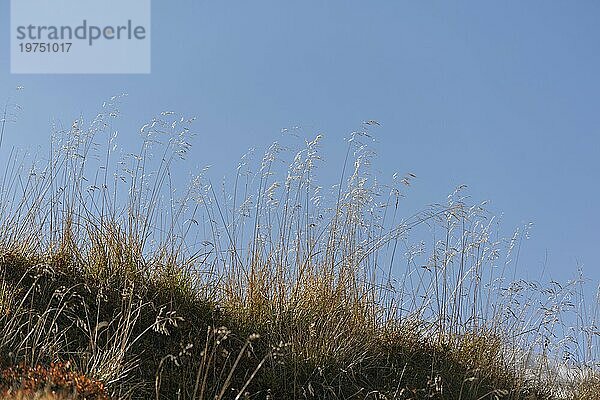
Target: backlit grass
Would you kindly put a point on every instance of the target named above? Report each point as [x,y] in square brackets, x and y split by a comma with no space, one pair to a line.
[266,285]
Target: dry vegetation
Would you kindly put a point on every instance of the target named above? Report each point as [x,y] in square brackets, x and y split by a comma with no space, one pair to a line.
[115,285]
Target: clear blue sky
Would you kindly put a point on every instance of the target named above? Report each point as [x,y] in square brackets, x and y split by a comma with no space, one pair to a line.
[501,96]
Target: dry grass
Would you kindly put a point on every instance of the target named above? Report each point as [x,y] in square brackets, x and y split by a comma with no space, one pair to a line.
[325,294]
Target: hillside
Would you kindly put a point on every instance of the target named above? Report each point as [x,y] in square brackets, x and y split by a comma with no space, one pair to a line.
[114,285]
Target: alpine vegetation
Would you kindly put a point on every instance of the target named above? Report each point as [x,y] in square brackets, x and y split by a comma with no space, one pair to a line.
[116,283]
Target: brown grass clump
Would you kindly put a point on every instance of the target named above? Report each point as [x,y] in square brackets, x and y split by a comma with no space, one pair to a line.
[45,395]
[58,381]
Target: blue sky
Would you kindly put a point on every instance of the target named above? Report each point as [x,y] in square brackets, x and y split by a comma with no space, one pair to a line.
[501,96]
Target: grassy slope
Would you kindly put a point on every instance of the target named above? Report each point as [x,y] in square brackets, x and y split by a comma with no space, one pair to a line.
[284,298]
[324,353]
